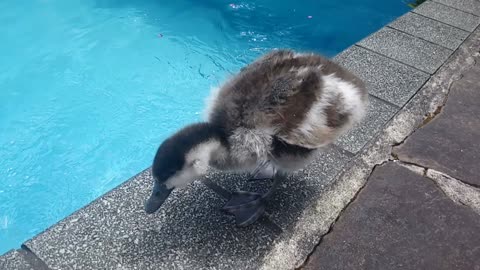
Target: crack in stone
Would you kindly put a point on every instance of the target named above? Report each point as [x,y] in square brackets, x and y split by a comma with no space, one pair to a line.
[430,116]
[455,189]
[426,172]
[330,228]
[416,168]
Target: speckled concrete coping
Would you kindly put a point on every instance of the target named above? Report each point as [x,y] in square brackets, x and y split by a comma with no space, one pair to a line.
[405,65]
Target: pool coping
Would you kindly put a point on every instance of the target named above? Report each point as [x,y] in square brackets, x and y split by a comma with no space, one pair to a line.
[401,56]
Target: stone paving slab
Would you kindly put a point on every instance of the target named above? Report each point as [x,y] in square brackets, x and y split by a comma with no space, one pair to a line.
[188,232]
[379,112]
[401,220]
[298,191]
[470,6]
[448,15]
[306,186]
[13,260]
[430,30]
[407,49]
[450,142]
[385,78]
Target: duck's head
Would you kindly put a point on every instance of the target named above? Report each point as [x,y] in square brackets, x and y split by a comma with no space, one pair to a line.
[181,159]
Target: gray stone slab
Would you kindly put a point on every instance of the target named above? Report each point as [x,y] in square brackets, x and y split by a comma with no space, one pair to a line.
[448,15]
[407,49]
[470,6]
[401,220]
[188,232]
[296,193]
[377,116]
[431,30]
[385,78]
[14,260]
[450,142]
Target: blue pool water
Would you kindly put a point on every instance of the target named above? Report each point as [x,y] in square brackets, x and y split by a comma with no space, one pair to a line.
[89,88]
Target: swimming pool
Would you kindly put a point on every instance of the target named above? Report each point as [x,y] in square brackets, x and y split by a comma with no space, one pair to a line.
[89,88]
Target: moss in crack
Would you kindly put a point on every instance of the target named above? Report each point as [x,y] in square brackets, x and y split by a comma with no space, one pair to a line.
[429,117]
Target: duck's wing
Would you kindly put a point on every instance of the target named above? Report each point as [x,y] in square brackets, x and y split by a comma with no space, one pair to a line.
[329,102]
[303,99]
[252,97]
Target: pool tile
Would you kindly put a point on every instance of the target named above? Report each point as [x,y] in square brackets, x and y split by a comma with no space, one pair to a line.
[448,15]
[14,260]
[188,232]
[297,192]
[306,186]
[378,114]
[385,78]
[470,6]
[430,30]
[407,49]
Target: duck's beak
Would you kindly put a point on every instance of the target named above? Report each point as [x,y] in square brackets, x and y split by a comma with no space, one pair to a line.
[159,195]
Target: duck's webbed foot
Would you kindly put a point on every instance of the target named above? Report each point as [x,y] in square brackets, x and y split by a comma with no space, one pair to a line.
[265,171]
[248,207]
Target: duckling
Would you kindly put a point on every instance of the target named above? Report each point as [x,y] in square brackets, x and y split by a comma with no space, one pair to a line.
[270,120]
